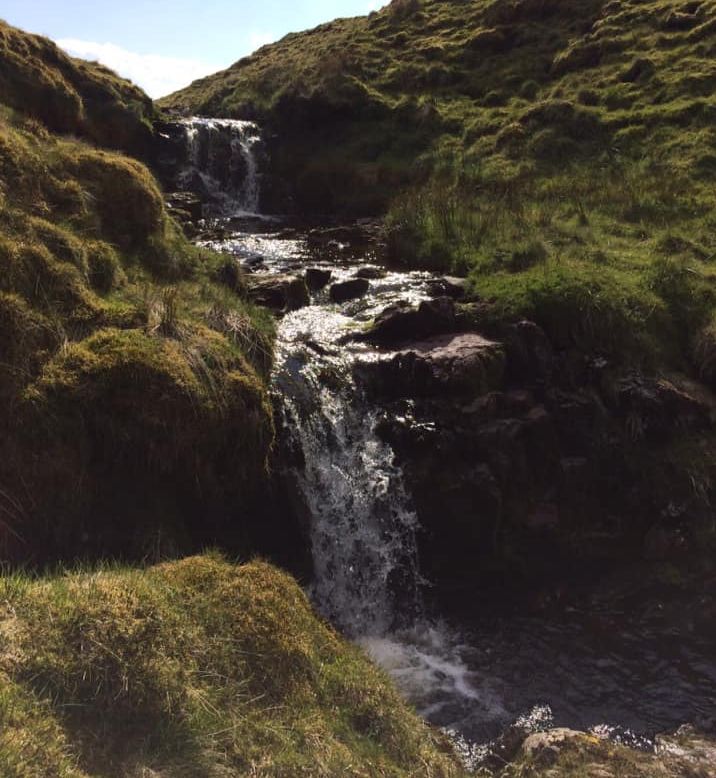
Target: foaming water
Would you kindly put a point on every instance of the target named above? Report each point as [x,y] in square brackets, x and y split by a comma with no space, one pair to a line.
[425,661]
[362,526]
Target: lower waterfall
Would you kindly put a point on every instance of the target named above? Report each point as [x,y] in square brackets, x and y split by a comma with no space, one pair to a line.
[607,665]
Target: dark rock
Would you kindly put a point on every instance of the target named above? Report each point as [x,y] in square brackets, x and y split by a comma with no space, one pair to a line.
[372,273]
[530,355]
[317,278]
[253,262]
[448,286]
[349,290]
[401,322]
[280,292]
[462,364]
[185,205]
[656,405]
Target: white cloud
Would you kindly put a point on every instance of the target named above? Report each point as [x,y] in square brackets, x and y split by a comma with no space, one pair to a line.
[157,75]
[257,39]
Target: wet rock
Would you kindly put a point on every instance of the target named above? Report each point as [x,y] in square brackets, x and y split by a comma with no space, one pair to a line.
[317,278]
[460,364]
[185,206]
[448,286]
[372,273]
[561,752]
[552,740]
[349,290]
[279,292]
[402,322]
[253,262]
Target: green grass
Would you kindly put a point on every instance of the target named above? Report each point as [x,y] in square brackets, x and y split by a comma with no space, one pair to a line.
[72,96]
[132,368]
[560,154]
[197,667]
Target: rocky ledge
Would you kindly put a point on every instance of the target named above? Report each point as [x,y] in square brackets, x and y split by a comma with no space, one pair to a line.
[522,456]
[564,753]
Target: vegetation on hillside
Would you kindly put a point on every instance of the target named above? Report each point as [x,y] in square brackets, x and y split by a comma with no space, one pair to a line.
[559,152]
[197,667]
[71,96]
[132,370]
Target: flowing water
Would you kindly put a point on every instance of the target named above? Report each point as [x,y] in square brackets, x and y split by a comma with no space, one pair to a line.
[222,164]
[625,667]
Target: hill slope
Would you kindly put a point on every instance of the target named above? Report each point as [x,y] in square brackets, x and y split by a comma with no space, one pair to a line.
[73,96]
[561,152]
[131,371]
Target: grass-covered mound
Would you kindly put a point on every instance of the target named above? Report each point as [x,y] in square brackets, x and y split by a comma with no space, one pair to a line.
[133,404]
[197,667]
[73,96]
[562,152]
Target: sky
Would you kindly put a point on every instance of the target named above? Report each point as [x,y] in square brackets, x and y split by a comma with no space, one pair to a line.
[163,45]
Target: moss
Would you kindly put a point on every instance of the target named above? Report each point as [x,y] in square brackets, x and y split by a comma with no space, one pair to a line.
[129,204]
[71,96]
[26,338]
[580,307]
[123,410]
[104,269]
[704,346]
[199,667]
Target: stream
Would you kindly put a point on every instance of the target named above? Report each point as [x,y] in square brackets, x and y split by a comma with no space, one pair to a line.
[623,664]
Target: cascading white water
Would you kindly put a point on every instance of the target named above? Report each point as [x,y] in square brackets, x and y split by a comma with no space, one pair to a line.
[362,526]
[579,669]
[222,164]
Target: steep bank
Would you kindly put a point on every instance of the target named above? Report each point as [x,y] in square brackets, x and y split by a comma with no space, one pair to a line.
[134,416]
[197,667]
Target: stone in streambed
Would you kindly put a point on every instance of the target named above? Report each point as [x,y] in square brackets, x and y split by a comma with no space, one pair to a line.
[279,292]
[448,286]
[372,273]
[402,322]
[349,290]
[185,206]
[317,278]
[461,364]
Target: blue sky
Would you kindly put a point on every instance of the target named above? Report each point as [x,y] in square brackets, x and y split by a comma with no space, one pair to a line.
[163,45]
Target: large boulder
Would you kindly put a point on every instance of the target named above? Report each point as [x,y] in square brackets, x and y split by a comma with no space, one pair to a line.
[349,290]
[318,278]
[402,322]
[461,364]
[279,292]
[448,286]
[653,405]
[567,752]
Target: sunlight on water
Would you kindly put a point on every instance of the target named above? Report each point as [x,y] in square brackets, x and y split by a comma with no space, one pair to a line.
[579,670]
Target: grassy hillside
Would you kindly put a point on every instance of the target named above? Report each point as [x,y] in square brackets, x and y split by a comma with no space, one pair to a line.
[72,96]
[133,406]
[196,668]
[561,152]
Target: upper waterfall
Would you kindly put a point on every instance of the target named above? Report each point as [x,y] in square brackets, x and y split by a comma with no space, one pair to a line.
[221,164]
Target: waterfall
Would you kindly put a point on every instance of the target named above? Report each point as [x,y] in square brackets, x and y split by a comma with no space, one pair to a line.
[221,164]
[362,526]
